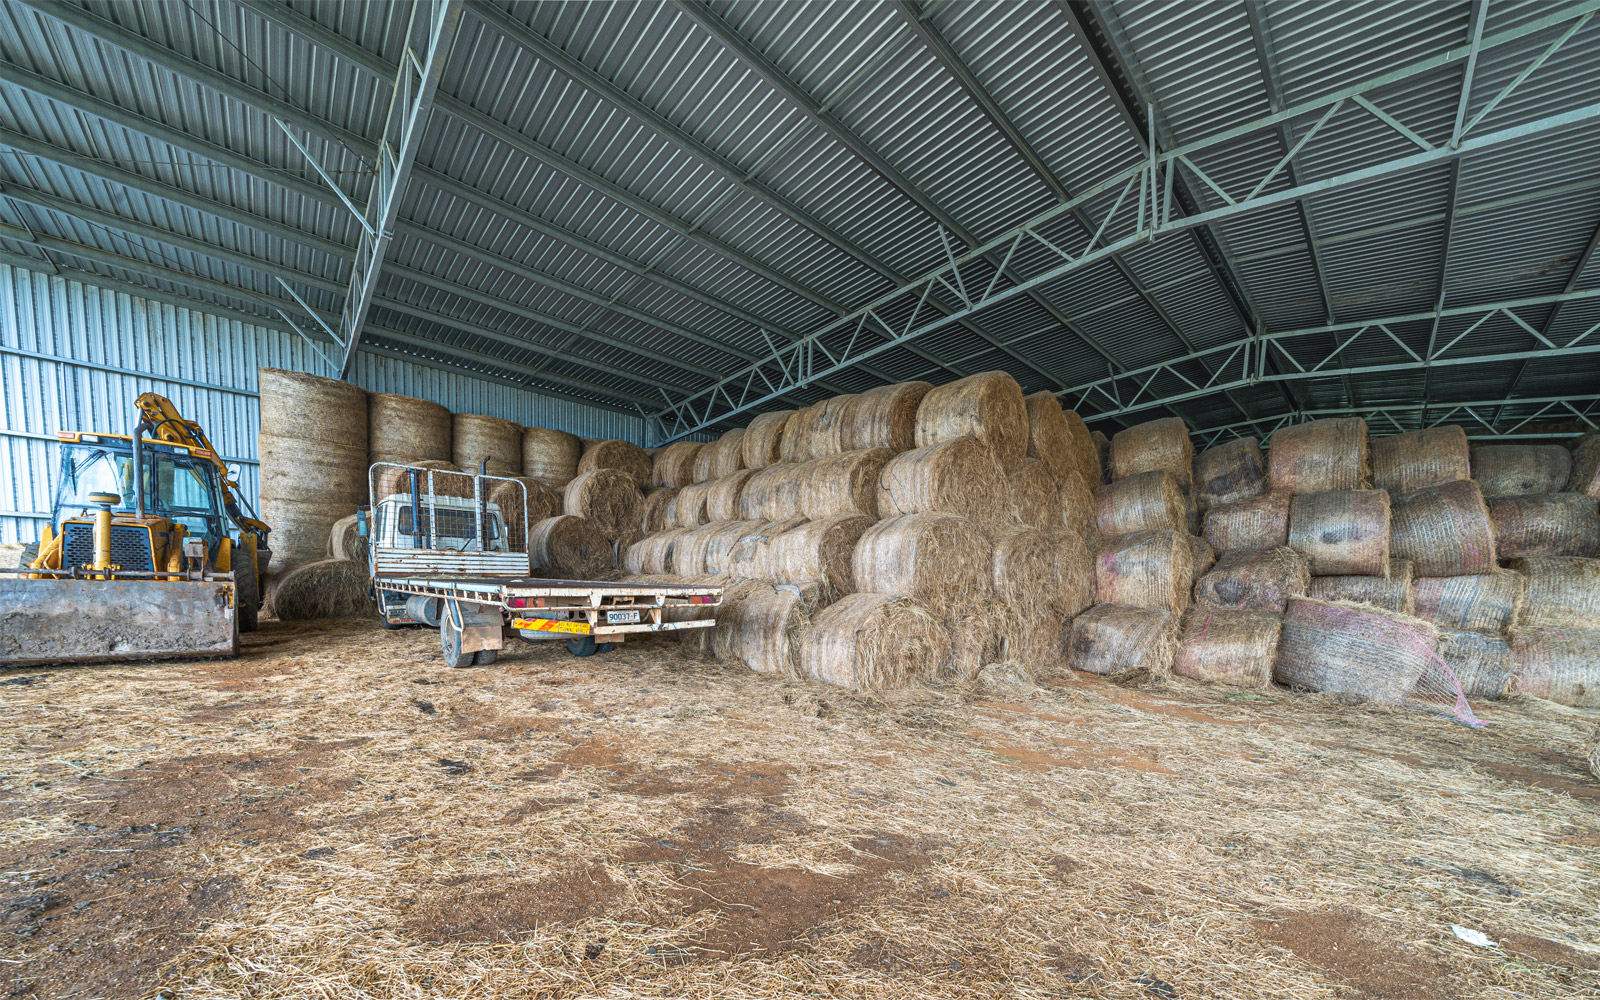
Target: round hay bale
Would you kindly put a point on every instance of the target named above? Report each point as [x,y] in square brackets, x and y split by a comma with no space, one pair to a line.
[674,464]
[1024,580]
[1519,470]
[1122,641]
[1560,590]
[688,510]
[1555,524]
[873,642]
[326,588]
[621,456]
[299,530]
[1083,452]
[846,483]
[1322,456]
[1391,593]
[345,540]
[1227,646]
[1341,533]
[569,547]
[795,444]
[476,438]
[1154,446]
[1201,555]
[608,499]
[375,457]
[761,627]
[1074,572]
[1035,498]
[1353,649]
[828,424]
[939,559]
[773,493]
[1443,530]
[885,417]
[822,550]
[1485,602]
[1229,472]
[551,456]
[406,426]
[1049,436]
[1260,581]
[723,495]
[651,554]
[1557,664]
[759,447]
[956,477]
[1143,501]
[1147,569]
[722,457]
[987,406]
[658,510]
[312,471]
[531,499]
[312,408]
[1102,447]
[1079,512]
[1418,460]
[1483,664]
[1585,477]
[708,548]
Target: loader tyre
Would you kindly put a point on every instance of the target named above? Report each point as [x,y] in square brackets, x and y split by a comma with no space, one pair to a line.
[30,552]
[246,589]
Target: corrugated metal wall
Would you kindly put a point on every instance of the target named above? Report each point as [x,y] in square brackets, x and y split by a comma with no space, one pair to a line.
[74,357]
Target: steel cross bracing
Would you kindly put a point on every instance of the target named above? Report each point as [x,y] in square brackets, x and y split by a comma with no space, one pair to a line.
[1389,419]
[1142,208]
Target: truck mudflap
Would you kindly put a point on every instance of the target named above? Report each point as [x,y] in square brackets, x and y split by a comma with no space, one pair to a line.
[89,621]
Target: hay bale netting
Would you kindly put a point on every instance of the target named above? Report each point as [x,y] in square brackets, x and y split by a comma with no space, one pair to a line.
[956,477]
[885,417]
[313,408]
[475,437]
[569,547]
[773,493]
[688,508]
[1201,556]
[1485,602]
[1392,592]
[761,627]
[622,456]
[844,483]
[1260,581]
[987,406]
[1555,524]
[674,464]
[345,540]
[1228,472]
[822,550]
[1585,477]
[1421,459]
[609,499]
[939,559]
[1228,646]
[1322,456]
[1482,663]
[1341,533]
[1147,569]
[658,510]
[326,588]
[1519,470]
[873,642]
[794,446]
[1560,590]
[708,548]
[1050,435]
[1074,561]
[1118,639]
[1443,530]
[759,447]
[723,495]
[1353,649]
[650,554]
[1102,447]
[1144,501]
[1154,446]
[407,428]
[551,456]
[1035,497]
[722,457]
[1560,664]
[1255,523]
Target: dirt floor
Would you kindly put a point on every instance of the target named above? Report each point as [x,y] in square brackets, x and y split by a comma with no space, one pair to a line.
[336,814]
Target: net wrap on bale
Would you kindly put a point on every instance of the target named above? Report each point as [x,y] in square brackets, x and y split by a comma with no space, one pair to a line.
[406,428]
[1342,533]
[1485,602]
[1117,640]
[759,446]
[1555,524]
[1260,581]
[721,457]
[956,477]
[761,627]
[658,510]
[1418,460]
[1557,663]
[822,550]
[1482,663]
[688,508]
[885,417]
[1517,470]
[1560,591]
[1353,649]
[490,443]
[1143,501]
[1322,456]
[1147,569]
[1260,522]
[1154,446]
[987,406]
[1075,572]
[1391,593]
[773,493]
[1585,477]
[1444,530]
[939,559]
[1228,646]
[723,495]
[873,642]
[674,464]
[550,456]
[844,483]
[1224,473]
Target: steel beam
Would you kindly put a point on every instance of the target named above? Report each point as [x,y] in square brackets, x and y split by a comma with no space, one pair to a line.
[1211,435]
[1550,321]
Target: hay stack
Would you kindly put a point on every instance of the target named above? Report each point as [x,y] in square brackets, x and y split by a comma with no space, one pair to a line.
[1229,472]
[1486,602]
[1322,456]
[956,477]
[609,499]
[326,588]
[551,456]
[1585,477]
[722,457]
[345,540]
[1561,591]
[873,642]
[722,495]
[822,550]
[1341,533]
[1143,501]
[1483,664]
[885,417]
[1353,649]
[1147,569]
[987,406]
[1261,581]
[406,429]
[1421,459]
[1555,524]
[522,501]
[568,547]
[313,452]
[479,441]
[773,493]
[939,559]
[1443,530]
[621,456]
[658,510]
[1035,498]
[1050,435]
[1392,592]
[844,483]
[1083,452]
[1154,446]
[1233,647]
[1119,640]
[1558,664]
[674,464]
[761,627]
[1519,470]
[1074,572]
[688,508]
[759,446]
[1255,523]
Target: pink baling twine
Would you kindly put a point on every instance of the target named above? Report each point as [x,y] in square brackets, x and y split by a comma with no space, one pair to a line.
[1342,619]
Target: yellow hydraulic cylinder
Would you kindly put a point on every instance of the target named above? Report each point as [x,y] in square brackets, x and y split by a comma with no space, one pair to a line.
[102,538]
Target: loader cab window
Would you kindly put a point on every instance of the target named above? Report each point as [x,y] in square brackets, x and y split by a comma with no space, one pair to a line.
[87,469]
[186,492]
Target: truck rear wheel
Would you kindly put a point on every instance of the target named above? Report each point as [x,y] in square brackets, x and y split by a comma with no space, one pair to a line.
[450,643]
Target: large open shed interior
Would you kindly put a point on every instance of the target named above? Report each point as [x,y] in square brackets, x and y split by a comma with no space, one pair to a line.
[749,498]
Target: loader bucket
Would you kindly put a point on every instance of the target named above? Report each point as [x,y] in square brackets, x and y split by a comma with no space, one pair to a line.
[88,621]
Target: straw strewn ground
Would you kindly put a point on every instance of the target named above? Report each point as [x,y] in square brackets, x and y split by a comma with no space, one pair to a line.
[336,814]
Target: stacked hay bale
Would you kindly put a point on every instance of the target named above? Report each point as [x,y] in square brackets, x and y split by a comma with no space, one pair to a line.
[1555,644]
[406,430]
[609,499]
[1585,477]
[487,443]
[619,456]
[550,456]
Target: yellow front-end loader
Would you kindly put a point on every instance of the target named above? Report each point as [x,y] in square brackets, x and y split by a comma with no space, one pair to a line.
[148,554]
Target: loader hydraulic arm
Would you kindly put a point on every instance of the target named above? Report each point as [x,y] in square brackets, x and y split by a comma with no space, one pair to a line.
[168,425]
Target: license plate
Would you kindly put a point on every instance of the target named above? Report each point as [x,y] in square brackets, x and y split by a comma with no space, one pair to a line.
[621,617]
